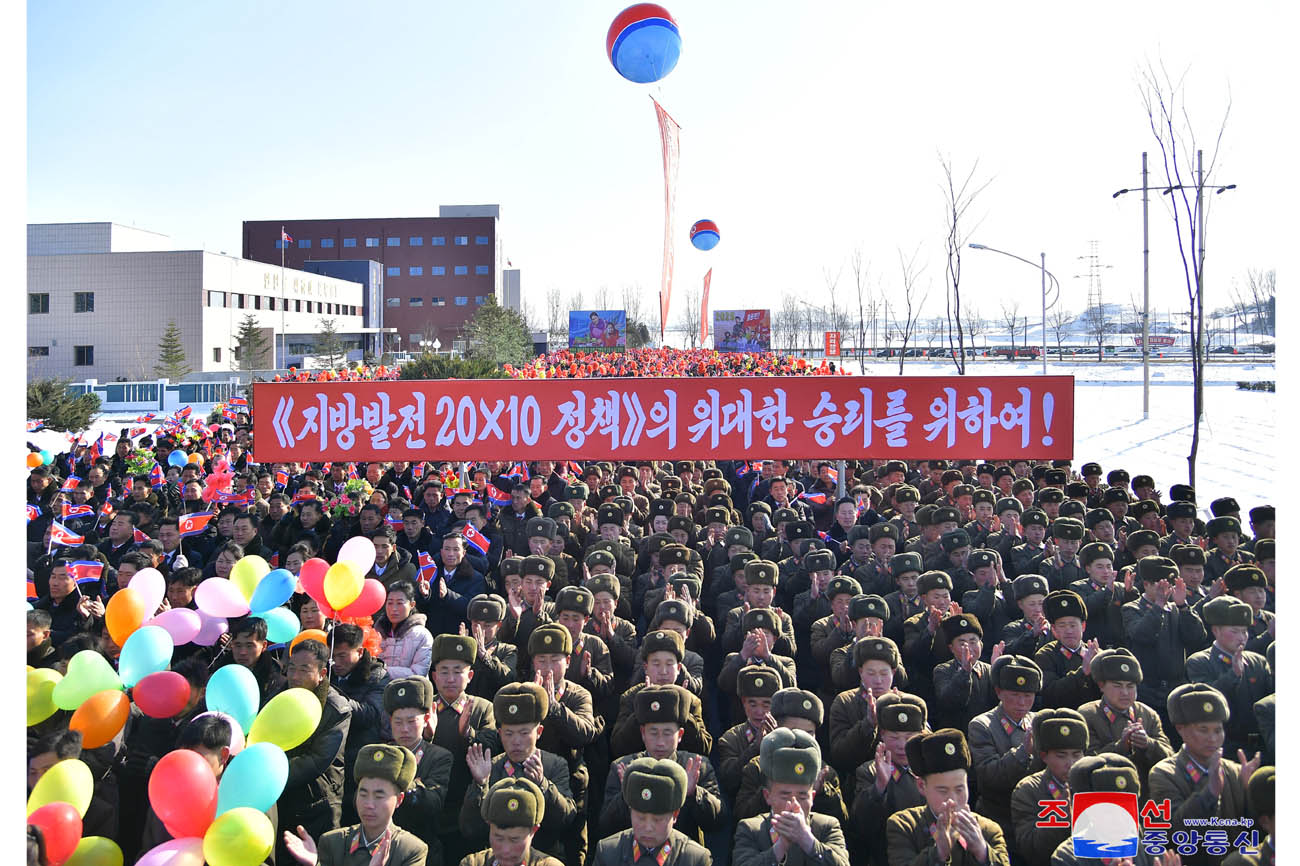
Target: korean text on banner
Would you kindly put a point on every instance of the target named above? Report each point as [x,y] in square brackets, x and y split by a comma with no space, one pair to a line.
[908,417]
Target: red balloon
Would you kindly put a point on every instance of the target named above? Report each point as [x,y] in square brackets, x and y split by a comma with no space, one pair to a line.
[61,826]
[161,695]
[371,599]
[312,577]
[183,793]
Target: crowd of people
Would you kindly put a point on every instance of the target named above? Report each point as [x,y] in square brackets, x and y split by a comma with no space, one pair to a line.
[696,661]
[570,364]
[360,373]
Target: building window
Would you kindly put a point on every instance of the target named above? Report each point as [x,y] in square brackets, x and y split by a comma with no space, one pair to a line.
[438,241]
[480,300]
[257,302]
[280,244]
[327,243]
[394,242]
[38,302]
[297,306]
[437,301]
[462,240]
[394,272]
[304,243]
[415,302]
[462,301]
[349,242]
[482,270]
[239,300]
[83,356]
[481,240]
[83,302]
[438,271]
[416,241]
[216,299]
[216,354]
[462,270]
[415,271]
[270,304]
[38,351]
[372,242]
[392,302]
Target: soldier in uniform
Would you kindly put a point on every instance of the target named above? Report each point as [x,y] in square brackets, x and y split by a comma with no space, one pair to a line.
[1025,635]
[618,633]
[1066,660]
[1064,568]
[1260,798]
[790,833]
[1102,772]
[383,774]
[589,664]
[944,830]
[923,646]
[1199,781]
[1103,596]
[833,631]
[529,608]
[521,707]
[512,809]
[991,602]
[760,628]
[496,662]
[885,784]
[1118,722]
[661,653]
[798,710]
[1061,738]
[868,614]
[905,601]
[1001,739]
[906,502]
[1162,630]
[653,791]
[1224,534]
[1025,557]
[408,702]
[875,572]
[1249,583]
[761,579]
[1242,676]
[755,685]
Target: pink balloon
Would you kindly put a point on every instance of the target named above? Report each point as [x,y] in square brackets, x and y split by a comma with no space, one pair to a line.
[360,551]
[177,852]
[217,596]
[181,623]
[212,629]
[236,735]
[152,587]
[371,599]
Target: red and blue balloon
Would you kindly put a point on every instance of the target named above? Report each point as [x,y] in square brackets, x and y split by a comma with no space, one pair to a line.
[643,43]
[704,235]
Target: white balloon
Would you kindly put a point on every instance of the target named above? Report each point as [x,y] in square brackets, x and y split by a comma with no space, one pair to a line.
[152,587]
[359,551]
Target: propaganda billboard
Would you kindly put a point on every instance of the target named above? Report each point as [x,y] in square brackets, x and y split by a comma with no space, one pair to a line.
[742,330]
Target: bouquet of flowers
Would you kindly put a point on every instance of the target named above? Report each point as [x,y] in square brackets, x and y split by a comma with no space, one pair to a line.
[140,462]
[349,502]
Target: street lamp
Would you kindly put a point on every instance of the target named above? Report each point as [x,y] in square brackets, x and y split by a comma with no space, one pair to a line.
[1042,267]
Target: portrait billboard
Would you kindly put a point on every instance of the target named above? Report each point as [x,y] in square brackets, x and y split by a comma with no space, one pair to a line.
[742,330]
[597,329]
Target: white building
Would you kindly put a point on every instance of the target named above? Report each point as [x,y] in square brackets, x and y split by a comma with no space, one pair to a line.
[100,297]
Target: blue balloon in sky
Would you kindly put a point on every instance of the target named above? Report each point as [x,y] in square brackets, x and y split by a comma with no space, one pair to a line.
[643,43]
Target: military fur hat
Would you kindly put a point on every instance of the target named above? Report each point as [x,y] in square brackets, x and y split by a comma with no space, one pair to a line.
[682,524]
[797,703]
[609,513]
[858,532]
[1182,493]
[521,703]
[954,540]
[1114,494]
[933,580]
[1180,509]
[757,681]
[1064,602]
[454,647]
[577,491]
[1068,528]
[1260,791]
[1220,525]
[881,649]
[1090,469]
[938,752]
[604,583]
[626,503]
[1098,516]
[668,704]
[538,566]
[868,605]
[1034,517]
[513,802]
[655,786]
[925,515]
[657,542]
[762,572]
[877,531]
[1020,485]
[1072,508]
[663,640]
[1106,771]
[540,527]
[1265,549]
[716,515]
[1051,496]
[685,581]
[1116,665]
[673,610]
[1008,503]
[740,561]
[902,563]
[1224,505]
[955,625]
[982,558]
[559,509]
[683,466]
[1142,538]
[790,757]
[1055,476]
[511,565]
[761,617]
[738,536]
[800,529]
[393,764]
[662,508]
[1117,477]
[550,638]
[900,711]
[486,608]
[1153,569]
[819,560]
[578,599]
[1093,551]
[1077,490]
[843,585]
[1191,703]
[949,476]
[600,557]
[784,515]
[674,554]
[758,508]
[1188,554]
[1226,610]
[963,490]
[1262,514]
[907,493]
[984,495]
[1060,729]
[1017,674]
[1245,575]
[408,693]
[944,514]
[1029,584]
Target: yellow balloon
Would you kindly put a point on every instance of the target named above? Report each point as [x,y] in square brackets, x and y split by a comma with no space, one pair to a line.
[343,584]
[95,851]
[287,720]
[68,781]
[40,694]
[247,573]
[240,837]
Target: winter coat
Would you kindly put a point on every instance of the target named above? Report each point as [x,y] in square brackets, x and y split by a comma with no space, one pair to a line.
[401,566]
[408,649]
[313,794]
[291,530]
[363,689]
[66,620]
[423,543]
[445,614]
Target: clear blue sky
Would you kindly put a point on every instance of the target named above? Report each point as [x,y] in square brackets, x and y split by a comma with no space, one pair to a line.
[808,130]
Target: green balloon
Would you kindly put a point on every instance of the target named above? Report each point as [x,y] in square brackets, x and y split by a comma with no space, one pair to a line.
[88,673]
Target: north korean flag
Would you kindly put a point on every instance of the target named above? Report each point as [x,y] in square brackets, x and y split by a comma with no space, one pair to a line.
[76,511]
[156,477]
[475,538]
[496,497]
[70,484]
[85,570]
[33,512]
[60,534]
[193,524]
[281,478]
[426,562]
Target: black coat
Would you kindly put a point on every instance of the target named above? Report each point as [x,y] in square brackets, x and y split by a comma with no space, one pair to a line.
[66,620]
[363,690]
[313,795]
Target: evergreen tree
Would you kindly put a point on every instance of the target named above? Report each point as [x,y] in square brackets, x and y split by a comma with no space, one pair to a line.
[429,366]
[251,346]
[330,351]
[171,355]
[498,335]
[49,401]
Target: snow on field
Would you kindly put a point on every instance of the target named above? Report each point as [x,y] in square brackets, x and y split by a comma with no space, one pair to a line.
[1238,449]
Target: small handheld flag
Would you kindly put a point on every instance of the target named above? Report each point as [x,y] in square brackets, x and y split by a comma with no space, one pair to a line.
[193,524]
[85,570]
[156,477]
[140,537]
[426,562]
[76,511]
[815,497]
[60,534]
[70,484]
[281,478]
[33,512]
[475,539]
[496,497]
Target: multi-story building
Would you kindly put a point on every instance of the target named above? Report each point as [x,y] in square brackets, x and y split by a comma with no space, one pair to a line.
[436,270]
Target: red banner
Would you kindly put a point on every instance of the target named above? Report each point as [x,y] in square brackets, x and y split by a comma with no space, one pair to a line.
[668,139]
[704,308]
[908,417]
[832,340]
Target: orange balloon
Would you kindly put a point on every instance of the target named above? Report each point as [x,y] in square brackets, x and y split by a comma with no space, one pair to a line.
[309,634]
[33,459]
[196,457]
[100,717]
[124,614]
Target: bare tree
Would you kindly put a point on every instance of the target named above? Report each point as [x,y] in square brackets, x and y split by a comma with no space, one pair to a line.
[866,306]
[1011,317]
[786,321]
[601,297]
[976,325]
[689,318]
[958,197]
[557,318]
[575,302]
[1257,304]
[1059,321]
[913,301]
[1181,158]
[633,302]
[1095,325]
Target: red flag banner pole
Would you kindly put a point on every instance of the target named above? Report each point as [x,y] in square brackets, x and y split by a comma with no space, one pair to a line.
[668,137]
[704,308]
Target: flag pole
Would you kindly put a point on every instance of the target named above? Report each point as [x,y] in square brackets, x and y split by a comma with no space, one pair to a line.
[283,299]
